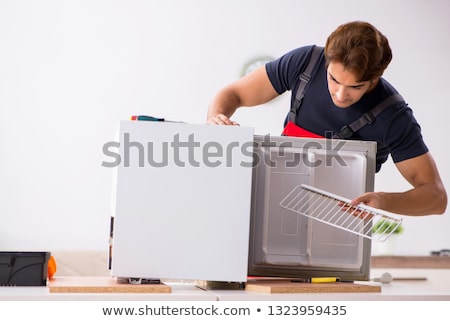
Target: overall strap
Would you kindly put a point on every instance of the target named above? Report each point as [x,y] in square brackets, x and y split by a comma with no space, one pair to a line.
[368,117]
[304,79]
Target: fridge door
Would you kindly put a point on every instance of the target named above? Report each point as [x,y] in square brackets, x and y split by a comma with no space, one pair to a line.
[182,200]
[283,243]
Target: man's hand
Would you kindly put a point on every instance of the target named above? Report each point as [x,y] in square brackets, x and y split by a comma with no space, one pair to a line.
[371,199]
[221,119]
[355,211]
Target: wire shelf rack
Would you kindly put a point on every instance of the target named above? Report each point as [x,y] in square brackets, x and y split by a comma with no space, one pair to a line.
[320,205]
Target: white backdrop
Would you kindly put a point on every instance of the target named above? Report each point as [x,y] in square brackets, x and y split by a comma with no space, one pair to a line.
[70,70]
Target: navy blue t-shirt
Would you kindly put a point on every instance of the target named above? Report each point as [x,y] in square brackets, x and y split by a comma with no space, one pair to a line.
[395,130]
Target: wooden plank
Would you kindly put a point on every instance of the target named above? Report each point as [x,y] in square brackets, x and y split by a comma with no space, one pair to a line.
[101,285]
[272,287]
[414,262]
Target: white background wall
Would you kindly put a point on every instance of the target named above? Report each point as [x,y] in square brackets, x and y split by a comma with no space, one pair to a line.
[70,70]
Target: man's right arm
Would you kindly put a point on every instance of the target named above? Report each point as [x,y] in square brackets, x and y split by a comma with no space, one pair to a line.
[251,90]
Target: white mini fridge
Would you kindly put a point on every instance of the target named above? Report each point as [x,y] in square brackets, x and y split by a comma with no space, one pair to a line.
[202,202]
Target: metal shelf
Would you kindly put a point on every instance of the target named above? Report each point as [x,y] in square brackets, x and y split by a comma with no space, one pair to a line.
[337,211]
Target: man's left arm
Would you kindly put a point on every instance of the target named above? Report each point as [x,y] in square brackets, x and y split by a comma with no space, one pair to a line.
[427,197]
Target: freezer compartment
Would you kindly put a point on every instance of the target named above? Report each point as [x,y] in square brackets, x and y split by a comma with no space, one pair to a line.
[284,243]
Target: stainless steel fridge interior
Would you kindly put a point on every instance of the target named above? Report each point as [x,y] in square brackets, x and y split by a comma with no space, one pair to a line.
[286,244]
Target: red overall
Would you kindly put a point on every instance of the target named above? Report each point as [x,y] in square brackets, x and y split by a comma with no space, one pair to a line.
[292,129]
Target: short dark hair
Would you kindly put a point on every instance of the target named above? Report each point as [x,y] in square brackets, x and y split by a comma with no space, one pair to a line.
[361,48]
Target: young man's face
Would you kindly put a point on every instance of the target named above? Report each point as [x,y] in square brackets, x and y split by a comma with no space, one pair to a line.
[343,87]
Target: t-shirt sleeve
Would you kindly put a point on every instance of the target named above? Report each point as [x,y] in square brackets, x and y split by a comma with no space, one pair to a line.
[283,72]
[404,136]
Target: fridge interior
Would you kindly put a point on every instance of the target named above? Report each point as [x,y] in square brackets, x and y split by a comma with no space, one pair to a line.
[284,243]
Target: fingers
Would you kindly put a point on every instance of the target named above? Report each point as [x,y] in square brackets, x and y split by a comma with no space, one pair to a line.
[355,211]
[221,119]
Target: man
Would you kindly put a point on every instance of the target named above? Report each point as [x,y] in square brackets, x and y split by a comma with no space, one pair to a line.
[346,83]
